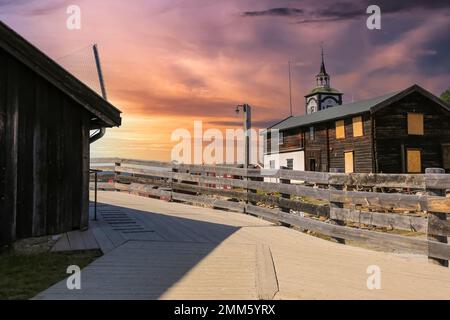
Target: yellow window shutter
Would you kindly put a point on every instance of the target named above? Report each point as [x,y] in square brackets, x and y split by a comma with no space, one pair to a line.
[349,163]
[414,161]
[415,123]
[446,156]
[340,129]
[358,130]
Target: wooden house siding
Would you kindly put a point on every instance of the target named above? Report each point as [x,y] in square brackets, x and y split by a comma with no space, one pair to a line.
[326,150]
[361,146]
[317,148]
[392,133]
[44,157]
[292,141]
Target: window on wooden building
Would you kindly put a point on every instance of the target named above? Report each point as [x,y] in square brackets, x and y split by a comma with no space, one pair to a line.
[358,129]
[340,129]
[290,164]
[349,162]
[415,123]
[280,138]
[414,160]
[312,133]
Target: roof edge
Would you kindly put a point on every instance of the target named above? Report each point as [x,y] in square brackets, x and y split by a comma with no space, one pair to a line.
[21,49]
[276,124]
[406,92]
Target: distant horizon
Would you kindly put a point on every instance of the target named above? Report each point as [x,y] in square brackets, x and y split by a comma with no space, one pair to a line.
[169,63]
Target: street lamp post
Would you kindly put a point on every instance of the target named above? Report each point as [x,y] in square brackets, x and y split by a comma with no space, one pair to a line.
[247,111]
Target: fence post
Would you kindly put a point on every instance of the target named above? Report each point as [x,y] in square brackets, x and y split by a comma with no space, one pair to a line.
[285,195]
[253,191]
[435,215]
[116,174]
[172,181]
[336,205]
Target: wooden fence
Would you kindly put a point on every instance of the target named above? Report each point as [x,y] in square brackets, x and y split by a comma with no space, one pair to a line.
[394,212]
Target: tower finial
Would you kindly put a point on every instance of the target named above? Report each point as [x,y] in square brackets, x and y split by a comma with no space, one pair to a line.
[322,66]
[321,47]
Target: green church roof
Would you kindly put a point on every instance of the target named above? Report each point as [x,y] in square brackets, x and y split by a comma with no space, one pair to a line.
[323,90]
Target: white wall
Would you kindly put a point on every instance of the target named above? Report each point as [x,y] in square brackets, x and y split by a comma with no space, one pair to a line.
[281,161]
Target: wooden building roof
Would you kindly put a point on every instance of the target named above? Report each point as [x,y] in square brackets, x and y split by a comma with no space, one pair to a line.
[355,108]
[104,113]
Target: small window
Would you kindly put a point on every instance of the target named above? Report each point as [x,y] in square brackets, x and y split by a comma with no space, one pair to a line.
[272,164]
[358,130]
[414,161]
[340,129]
[312,133]
[415,123]
[290,164]
[280,138]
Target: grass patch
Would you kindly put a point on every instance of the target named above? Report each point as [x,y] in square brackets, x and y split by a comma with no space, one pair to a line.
[23,276]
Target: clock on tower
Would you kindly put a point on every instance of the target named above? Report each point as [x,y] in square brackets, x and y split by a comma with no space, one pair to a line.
[323,96]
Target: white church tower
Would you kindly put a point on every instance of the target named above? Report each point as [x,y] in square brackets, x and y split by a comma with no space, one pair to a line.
[323,96]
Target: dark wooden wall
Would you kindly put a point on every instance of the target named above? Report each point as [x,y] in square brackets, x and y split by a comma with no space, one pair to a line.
[329,152]
[362,147]
[316,148]
[392,131]
[44,157]
[292,141]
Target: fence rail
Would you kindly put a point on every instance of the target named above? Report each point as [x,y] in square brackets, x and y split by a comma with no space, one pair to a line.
[396,212]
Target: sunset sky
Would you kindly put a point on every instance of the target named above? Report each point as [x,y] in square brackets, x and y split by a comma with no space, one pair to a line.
[170,62]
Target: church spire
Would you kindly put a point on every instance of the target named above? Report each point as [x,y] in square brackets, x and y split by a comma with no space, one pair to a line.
[323,79]
[323,96]
[322,67]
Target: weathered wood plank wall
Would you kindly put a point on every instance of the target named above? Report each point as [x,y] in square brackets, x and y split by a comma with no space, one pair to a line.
[44,156]
[392,132]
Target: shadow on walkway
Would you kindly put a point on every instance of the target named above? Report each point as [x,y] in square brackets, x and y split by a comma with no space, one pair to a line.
[149,253]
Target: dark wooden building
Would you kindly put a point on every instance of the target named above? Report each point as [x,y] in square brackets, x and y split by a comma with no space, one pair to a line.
[402,132]
[46,116]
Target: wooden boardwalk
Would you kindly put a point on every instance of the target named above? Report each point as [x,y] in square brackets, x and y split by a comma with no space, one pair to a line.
[159,250]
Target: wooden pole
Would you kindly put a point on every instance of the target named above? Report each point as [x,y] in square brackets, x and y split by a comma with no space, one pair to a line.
[336,205]
[100,72]
[284,195]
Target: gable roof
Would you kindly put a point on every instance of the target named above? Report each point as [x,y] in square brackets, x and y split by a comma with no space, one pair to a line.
[355,108]
[41,64]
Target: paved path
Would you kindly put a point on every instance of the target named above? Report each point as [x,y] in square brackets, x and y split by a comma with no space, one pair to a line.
[159,250]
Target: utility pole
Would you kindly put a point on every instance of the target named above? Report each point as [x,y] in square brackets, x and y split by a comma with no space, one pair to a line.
[99,71]
[100,132]
[290,89]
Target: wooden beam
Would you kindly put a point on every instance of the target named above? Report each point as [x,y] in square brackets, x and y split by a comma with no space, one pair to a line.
[211,202]
[382,200]
[379,219]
